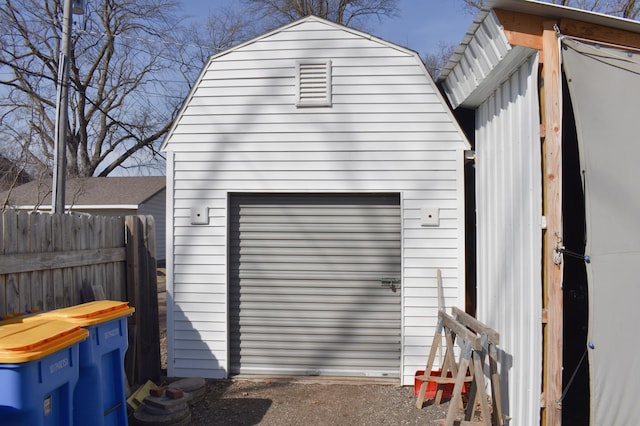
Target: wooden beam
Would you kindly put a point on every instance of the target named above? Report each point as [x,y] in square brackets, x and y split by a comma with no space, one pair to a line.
[30,262]
[521,29]
[475,325]
[594,32]
[525,30]
[460,330]
[552,181]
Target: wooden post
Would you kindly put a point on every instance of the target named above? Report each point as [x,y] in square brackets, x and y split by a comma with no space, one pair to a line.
[143,358]
[552,180]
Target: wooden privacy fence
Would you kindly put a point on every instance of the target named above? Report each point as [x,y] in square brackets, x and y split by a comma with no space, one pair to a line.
[52,261]
[46,259]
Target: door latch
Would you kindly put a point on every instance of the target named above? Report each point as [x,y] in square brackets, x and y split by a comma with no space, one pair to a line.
[392,283]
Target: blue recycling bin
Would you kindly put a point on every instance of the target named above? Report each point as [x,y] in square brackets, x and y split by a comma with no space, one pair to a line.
[99,397]
[39,369]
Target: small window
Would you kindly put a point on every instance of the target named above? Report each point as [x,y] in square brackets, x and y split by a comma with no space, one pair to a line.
[313,83]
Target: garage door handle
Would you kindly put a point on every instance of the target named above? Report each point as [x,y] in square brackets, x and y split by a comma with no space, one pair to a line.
[392,283]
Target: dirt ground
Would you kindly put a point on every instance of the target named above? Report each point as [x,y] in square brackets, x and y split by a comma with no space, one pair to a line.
[302,401]
[267,402]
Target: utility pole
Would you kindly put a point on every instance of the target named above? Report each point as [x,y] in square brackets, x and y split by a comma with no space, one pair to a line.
[62,106]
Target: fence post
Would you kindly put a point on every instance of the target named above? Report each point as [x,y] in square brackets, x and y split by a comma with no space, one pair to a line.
[143,357]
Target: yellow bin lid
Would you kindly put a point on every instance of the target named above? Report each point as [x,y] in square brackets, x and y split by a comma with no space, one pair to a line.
[91,313]
[28,341]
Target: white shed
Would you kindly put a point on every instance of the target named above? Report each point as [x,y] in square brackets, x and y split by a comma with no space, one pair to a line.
[315,186]
[556,96]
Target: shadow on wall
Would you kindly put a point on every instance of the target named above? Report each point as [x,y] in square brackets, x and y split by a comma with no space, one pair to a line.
[505,361]
[191,354]
[192,350]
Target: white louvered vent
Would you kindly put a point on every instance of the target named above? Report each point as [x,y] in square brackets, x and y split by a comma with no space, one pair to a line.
[313,83]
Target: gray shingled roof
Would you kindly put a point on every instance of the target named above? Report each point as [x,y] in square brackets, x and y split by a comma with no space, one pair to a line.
[90,191]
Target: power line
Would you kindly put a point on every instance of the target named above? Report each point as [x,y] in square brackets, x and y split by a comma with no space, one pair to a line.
[160,39]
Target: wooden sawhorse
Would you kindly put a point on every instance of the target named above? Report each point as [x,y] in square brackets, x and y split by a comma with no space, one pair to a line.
[476,342]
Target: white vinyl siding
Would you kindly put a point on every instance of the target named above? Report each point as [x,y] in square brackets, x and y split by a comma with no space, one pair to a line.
[388,131]
[155,206]
[509,234]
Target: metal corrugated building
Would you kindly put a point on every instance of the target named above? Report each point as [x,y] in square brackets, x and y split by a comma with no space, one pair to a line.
[531,175]
[509,211]
[315,186]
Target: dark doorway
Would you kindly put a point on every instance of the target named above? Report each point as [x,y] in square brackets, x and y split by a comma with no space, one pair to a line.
[467,120]
[575,377]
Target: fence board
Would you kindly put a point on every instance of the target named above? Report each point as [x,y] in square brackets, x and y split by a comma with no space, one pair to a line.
[44,261]
[46,246]
[12,292]
[57,231]
[142,294]
[78,241]
[37,243]
[24,286]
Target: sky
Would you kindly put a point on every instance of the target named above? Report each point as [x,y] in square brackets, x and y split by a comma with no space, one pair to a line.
[421,25]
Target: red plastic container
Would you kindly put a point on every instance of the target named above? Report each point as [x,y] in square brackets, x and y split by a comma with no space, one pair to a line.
[432,387]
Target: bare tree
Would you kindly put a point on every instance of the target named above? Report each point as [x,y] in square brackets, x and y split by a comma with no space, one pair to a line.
[222,30]
[621,8]
[122,102]
[354,13]
[434,62]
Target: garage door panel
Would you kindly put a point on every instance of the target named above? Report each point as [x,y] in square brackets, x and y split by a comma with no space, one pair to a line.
[379,269]
[302,314]
[337,324]
[293,238]
[308,287]
[306,295]
[329,276]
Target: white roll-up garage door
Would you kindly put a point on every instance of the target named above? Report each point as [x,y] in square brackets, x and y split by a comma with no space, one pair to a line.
[315,284]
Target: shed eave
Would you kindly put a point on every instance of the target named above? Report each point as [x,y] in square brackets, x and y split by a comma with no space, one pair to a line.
[466,77]
[471,96]
[480,62]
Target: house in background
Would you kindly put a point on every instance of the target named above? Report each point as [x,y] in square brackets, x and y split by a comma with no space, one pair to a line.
[107,196]
[556,96]
[11,174]
[315,187]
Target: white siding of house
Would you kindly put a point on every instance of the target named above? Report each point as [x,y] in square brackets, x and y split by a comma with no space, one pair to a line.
[156,206]
[509,235]
[388,130]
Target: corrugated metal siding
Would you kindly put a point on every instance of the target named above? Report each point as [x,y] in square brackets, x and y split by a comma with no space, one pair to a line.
[306,294]
[509,209]
[477,57]
[480,62]
[388,130]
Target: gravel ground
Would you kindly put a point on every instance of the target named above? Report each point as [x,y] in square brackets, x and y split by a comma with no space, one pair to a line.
[266,402]
[291,403]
